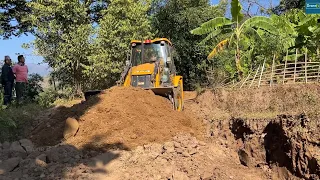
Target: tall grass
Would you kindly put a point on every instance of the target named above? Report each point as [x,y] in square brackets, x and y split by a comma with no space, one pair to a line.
[15,121]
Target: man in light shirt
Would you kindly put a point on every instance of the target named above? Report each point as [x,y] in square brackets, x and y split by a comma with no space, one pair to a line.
[21,72]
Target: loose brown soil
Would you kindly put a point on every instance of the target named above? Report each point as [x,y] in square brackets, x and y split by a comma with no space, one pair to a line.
[120,116]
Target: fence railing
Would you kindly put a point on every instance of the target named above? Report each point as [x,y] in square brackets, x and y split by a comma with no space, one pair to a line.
[288,73]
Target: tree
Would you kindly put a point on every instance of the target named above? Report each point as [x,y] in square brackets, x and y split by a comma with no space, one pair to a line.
[174,19]
[63,37]
[287,5]
[240,31]
[11,18]
[34,86]
[123,21]
[307,30]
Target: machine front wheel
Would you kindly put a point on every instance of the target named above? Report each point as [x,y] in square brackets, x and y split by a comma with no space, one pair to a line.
[178,101]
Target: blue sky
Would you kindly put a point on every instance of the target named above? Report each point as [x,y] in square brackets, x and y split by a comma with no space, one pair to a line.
[12,46]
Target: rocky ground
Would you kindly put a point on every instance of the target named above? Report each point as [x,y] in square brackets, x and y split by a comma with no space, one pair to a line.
[283,147]
[182,158]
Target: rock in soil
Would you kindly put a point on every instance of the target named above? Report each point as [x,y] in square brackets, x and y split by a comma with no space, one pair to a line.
[6,145]
[63,154]
[244,157]
[27,145]
[42,157]
[9,165]
[16,150]
[71,128]
[15,146]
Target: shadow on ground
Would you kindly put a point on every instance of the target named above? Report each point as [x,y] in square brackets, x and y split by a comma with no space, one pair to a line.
[51,125]
[63,161]
[60,162]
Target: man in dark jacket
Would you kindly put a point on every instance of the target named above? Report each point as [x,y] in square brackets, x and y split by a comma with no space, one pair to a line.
[7,80]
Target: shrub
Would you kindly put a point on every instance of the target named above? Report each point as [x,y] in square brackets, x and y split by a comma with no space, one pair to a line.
[15,121]
[34,87]
[47,97]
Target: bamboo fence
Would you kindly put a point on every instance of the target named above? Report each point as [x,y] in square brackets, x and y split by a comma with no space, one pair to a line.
[296,72]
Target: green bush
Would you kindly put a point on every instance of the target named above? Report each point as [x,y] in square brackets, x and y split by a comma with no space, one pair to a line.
[34,88]
[15,121]
[67,93]
[47,97]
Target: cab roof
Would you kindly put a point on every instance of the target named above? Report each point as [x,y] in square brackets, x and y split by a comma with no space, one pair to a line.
[153,40]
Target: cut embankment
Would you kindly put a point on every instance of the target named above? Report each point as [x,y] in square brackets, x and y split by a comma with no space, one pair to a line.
[121,117]
[251,122]
[264,102]
[290,142]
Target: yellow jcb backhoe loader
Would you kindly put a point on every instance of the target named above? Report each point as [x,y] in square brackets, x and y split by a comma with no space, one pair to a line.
[150,65]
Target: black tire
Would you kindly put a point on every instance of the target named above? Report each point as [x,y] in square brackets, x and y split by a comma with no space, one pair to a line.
[178,101]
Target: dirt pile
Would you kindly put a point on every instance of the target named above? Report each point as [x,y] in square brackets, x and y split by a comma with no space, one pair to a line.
[119,117]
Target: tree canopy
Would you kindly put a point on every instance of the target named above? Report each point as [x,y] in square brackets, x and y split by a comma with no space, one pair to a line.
[86,42]
[11,15]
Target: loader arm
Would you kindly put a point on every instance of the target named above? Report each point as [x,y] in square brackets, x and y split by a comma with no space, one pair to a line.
[124,74]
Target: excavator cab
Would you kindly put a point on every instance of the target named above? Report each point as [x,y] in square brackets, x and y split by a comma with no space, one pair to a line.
[148,60]
[150,65]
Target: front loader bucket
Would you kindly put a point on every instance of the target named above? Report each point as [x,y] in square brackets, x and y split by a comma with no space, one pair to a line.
[162,91]
[88,94]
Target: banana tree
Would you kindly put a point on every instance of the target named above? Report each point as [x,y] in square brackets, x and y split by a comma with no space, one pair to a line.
[237,27]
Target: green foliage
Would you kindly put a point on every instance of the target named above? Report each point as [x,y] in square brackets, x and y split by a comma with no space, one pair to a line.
[63,37]
[122,21]
[81,55]
[15,120]
[34,88]
[240,36]
[175,19]
[13,11]
[86,43]
[287,5]
[47,98]
[236,13]
[213,25]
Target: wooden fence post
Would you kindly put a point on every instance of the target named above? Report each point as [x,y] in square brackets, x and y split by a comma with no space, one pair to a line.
[264,61]
[254,76]
[272,68]
[285,67]
[305,64]
[295,66]
[318,73]
[245,80]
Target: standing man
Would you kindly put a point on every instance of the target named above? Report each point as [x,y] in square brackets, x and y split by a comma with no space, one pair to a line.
[7,80]
[21,72]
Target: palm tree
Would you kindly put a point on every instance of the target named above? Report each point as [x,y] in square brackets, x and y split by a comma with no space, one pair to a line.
[236,28]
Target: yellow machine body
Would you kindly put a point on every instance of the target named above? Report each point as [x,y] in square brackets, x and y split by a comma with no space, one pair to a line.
[150,65]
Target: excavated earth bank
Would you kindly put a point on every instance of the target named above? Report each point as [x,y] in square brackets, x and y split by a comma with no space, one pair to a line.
[288,145]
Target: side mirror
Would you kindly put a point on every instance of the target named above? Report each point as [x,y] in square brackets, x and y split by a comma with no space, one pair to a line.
[169,60]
